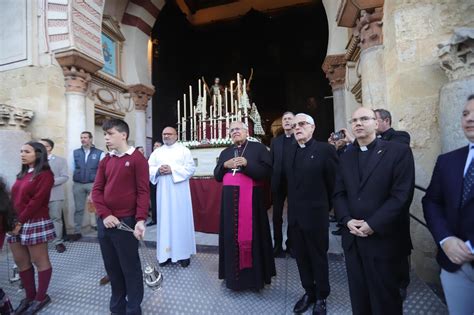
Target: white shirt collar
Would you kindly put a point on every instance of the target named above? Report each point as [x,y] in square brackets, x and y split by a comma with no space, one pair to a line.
[117,154]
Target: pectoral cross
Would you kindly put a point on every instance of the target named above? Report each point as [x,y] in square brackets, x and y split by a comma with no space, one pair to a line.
[234,170]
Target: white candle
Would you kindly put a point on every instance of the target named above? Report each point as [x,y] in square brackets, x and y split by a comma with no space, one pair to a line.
[219,104]
[194,135]
[214,98]
[204,101]
[178,110]
[184,104]
[199,87]
[190,101]
[231,96]
[225,100]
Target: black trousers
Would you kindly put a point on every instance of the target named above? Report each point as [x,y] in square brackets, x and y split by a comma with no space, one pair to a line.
[153,202]
[310,248]
[405,272]
[278,204]
[373,283]
[122,263]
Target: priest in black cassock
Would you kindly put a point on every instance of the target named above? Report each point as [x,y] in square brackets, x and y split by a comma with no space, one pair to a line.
[245,244]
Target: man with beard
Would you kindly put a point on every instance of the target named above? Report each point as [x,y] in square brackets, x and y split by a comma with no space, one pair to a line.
[171,167]
[245,245]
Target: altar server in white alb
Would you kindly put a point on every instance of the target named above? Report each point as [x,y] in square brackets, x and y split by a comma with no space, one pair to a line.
[171,167]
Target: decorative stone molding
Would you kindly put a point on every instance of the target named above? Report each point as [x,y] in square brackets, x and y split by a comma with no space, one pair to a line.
[349,10]
[353,48]
[14,117]
[335,68]
[369,28]
[141,94]
[357,91]
[73,57]
[457,55]
[76,80]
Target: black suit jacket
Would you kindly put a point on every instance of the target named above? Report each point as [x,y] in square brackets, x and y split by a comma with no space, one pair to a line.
[379,198]
[442,203]
[396,135]
[277,151]
[309,196]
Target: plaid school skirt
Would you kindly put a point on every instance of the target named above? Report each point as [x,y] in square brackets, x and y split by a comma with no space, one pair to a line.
[34,231]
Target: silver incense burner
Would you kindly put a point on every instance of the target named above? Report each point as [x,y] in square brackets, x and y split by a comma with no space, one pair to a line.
[153,277]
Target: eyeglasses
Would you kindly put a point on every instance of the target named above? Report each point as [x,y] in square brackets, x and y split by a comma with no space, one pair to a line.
[232,130]
[300,124]
[362,119]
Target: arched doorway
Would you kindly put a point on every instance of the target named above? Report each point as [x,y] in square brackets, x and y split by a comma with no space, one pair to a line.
[285,47]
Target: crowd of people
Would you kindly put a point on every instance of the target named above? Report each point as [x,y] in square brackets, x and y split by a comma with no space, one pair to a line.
[365,174]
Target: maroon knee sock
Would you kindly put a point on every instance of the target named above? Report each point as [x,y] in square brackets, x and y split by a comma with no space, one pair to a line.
[43,283]
[28,281]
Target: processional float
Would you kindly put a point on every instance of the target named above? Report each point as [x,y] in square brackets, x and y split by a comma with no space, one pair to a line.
[205,122]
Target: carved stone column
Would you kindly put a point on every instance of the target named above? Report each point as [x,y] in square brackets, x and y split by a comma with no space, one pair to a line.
[457,60]
[141,95]
[371,63]
[76,82]
[335,68]
[13,124]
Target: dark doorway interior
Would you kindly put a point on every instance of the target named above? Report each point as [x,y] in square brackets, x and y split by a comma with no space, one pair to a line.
[285,48]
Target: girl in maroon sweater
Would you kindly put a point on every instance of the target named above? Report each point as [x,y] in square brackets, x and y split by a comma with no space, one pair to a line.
[29,238]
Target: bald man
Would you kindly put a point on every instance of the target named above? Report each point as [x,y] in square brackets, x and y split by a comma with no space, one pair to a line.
[374,184]
[171,167]
[245,244]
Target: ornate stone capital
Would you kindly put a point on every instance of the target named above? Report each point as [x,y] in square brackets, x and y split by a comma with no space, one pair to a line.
[76,80]
[349,10]
[369,28]
[14,117]
[457,55]
[335,68]
[141,94]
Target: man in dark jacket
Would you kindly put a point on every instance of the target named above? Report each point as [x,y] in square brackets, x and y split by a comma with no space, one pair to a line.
[86,163]
[311,173]
[449,211]
[387,133]
[278,148]
[373,185]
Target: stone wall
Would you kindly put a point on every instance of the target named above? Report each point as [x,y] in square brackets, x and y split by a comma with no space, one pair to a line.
[412,30]
[40,89]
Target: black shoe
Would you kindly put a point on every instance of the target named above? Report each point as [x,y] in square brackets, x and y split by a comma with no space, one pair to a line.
[303,304]
[104,280]
[278,252]
[75,237]
[165,263]
[151,223]
[36,306]
[291,252]
[60,248]
[185,262]
[403,293]
[337,232]
[332,218]
[319,307]
[24,304]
